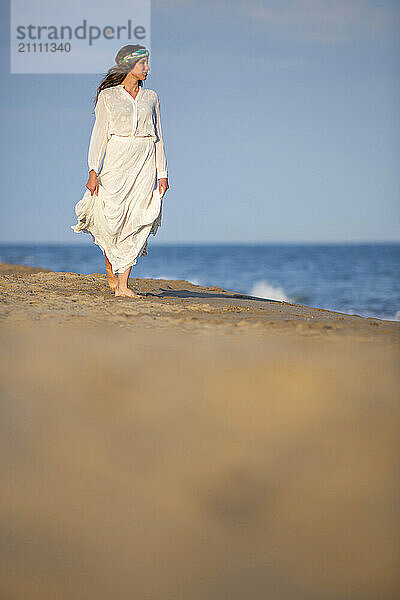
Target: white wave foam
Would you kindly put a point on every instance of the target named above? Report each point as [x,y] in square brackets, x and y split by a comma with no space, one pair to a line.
[397,316]
[264,289]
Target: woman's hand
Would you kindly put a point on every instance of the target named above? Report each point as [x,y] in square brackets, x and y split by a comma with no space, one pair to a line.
[93,184]
[163,186]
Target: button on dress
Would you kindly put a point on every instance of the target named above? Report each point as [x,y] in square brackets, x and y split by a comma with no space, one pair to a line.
[128,208]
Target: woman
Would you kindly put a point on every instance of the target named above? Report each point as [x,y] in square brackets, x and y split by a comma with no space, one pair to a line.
[122,205]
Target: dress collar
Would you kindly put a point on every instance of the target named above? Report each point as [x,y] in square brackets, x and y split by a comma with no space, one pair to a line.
[126,92]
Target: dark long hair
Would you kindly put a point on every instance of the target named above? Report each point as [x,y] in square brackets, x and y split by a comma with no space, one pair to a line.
[117,73]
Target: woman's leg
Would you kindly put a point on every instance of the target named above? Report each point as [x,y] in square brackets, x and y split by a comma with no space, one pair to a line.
[122,286]
[112,278]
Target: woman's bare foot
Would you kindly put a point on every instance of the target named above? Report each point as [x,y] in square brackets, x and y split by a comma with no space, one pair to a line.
[127,292]
[112,279]
[122,286]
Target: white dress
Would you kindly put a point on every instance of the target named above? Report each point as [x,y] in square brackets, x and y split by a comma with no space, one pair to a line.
[128,207]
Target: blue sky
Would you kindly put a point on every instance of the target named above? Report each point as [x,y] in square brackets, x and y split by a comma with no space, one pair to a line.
[280,119]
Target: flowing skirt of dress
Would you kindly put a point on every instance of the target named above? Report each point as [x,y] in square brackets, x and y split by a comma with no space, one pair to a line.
[128,207]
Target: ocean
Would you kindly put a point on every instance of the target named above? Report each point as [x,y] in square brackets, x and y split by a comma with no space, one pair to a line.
[360,279]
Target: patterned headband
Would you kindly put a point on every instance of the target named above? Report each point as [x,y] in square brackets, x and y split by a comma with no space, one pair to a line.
[137,54]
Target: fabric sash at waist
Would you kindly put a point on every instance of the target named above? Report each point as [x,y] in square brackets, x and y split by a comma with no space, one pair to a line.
[132,135]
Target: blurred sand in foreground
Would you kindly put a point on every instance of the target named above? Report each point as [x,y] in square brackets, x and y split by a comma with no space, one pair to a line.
[157,464]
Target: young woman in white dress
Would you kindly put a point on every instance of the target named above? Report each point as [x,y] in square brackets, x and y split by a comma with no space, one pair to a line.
[122,205]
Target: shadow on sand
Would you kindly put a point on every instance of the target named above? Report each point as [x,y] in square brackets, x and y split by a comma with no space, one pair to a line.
[206,295]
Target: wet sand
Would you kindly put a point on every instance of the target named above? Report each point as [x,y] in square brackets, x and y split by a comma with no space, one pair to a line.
[197,445]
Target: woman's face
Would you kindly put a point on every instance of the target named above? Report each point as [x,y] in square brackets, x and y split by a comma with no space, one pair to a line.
[141,68]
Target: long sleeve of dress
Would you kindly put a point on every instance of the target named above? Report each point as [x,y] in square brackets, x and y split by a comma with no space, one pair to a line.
[161,161]
[99,137]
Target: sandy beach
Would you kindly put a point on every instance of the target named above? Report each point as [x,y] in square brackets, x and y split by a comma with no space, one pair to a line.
[198,444]
[30,295]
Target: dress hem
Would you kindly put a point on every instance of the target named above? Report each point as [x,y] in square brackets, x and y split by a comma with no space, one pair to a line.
[143,250]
